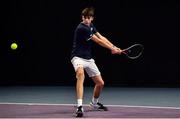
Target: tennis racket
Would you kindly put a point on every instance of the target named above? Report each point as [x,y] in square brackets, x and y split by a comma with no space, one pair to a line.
[134,51]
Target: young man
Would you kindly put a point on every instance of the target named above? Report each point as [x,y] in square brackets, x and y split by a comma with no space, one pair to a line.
[82,60]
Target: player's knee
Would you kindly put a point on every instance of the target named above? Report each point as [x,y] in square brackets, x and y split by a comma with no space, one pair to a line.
[80,74]
[101,83]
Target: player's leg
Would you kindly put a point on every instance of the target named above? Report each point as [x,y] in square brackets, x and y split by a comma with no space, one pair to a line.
[79,83]
[78,66]
[99,84]
[79,91]
[93,72]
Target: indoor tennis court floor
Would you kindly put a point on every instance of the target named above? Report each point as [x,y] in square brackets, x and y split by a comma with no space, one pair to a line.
[59,102]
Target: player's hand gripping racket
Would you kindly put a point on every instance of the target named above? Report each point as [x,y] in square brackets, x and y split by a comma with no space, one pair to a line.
[134,51]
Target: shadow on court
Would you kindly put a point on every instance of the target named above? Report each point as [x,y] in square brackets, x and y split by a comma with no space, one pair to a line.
[67,111]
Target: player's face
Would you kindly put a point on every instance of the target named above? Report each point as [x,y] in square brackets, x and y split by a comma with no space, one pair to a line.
[87,19]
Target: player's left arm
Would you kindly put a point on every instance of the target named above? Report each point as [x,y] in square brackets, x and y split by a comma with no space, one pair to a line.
[105,39]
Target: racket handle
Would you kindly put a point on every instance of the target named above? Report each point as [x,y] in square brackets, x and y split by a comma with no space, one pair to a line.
[124,52]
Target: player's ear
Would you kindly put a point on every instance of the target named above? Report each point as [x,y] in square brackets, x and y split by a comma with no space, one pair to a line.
[82,17]
[92,18]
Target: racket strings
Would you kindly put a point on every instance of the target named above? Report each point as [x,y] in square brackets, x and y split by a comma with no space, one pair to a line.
[134,51]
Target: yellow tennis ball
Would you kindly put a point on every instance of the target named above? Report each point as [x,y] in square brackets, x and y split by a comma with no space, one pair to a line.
[14,46]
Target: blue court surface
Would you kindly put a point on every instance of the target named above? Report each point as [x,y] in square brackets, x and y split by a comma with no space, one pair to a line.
[60,101]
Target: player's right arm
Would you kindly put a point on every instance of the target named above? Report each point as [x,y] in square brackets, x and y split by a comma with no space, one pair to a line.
[105,44]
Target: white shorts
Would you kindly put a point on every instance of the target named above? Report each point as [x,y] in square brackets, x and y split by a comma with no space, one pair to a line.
[88,64]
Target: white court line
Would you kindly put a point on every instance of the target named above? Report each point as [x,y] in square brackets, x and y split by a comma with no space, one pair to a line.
[158,107]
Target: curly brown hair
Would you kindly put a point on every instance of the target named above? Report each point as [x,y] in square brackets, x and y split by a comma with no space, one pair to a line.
[88,11]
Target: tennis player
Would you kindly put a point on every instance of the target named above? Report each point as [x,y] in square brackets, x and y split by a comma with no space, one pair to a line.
[81,57]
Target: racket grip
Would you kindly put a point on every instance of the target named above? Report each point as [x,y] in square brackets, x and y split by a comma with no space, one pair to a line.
[124,52]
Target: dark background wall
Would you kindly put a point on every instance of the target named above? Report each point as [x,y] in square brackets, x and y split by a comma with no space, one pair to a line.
[43,30]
